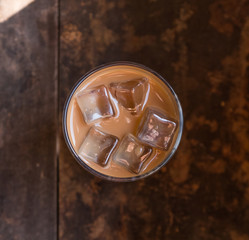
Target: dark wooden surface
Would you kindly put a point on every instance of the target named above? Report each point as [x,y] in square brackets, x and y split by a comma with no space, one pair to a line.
[28,121]
[201,47]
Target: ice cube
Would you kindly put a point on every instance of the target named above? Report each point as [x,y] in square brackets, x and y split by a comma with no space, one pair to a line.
[156,129]
[98,146]
[132,154]
[95,104]
[131,94]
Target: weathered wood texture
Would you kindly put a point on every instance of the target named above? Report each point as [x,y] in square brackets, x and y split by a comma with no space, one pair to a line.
[28,108]
[202,48]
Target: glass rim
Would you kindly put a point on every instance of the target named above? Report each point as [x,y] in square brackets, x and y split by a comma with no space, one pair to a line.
[74,153]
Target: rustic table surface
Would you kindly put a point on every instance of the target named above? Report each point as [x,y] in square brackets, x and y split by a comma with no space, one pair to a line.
[201,47]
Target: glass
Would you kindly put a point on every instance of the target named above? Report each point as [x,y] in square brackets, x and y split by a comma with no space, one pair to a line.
[93,171]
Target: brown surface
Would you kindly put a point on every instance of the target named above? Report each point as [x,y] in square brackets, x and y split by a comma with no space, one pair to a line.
[28,95]
[201,47]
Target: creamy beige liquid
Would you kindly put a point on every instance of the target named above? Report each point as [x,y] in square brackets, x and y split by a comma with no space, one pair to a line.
[123,122]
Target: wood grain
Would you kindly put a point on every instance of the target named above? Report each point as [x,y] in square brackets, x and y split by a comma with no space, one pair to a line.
[202,48]
[28,108]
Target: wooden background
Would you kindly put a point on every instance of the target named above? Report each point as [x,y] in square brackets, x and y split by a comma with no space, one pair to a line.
[200,47]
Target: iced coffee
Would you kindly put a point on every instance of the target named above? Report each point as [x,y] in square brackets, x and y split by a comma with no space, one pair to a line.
[122,121]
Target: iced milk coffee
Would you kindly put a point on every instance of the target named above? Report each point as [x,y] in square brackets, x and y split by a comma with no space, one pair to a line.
[122,121]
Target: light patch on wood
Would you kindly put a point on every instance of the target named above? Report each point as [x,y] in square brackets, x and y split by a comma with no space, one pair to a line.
[8,8]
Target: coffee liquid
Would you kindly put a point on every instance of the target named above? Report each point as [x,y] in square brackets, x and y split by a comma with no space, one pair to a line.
[159,97]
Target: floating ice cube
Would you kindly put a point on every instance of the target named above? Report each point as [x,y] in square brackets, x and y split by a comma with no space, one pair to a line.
[132,154]
[98,146]
[156,129]
[131,94]
[95,104]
